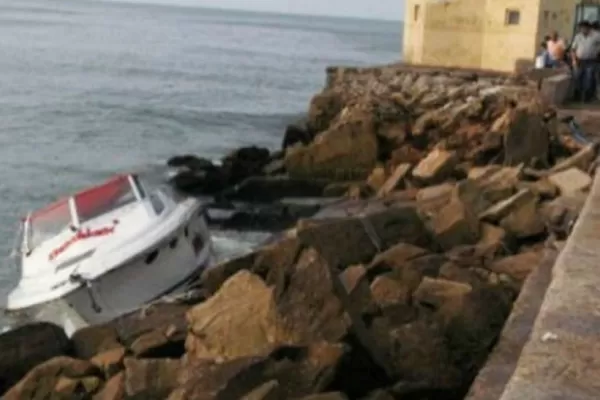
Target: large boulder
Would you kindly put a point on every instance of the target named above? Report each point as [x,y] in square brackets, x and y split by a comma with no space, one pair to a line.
[346,151]
[285,372]
[23,348]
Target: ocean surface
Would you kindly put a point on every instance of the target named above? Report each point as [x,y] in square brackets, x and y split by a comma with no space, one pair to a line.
[90,88]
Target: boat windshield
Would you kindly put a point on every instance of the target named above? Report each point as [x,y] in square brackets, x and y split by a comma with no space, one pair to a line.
[48,222]
[103,199]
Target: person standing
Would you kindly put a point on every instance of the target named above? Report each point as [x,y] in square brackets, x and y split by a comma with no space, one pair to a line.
[585,50]
[556,50]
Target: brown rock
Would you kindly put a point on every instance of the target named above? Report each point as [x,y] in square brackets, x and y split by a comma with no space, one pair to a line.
[388,291]
[396,180]
[503,208]
[525,137]
[571,181]
[25,347]
[518,266]
[356,283]
[217,325]
[124,330]
[581,160]
[323,109]
[524,221]
[327,396]
[110,361]
[266,391]
[377,178]
[469,192]
[395,257]
[151,378]
[114,389]
[444,296]
[167,342]
[339,189]
[432,198]
[347,150]
[455,224]
[437,166]
[356,240]
[499,184]
[543,188]
[43,379]
[299,371]
[494,241]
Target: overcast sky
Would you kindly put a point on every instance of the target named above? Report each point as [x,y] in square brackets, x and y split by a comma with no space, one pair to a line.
[379,9]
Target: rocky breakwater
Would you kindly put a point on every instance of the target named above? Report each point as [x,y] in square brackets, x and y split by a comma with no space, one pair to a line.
[456,183]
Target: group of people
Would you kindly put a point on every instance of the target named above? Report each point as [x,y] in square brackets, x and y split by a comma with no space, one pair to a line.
[581,56]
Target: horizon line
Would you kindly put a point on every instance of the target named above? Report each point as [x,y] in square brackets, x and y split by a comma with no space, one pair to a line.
[268,12]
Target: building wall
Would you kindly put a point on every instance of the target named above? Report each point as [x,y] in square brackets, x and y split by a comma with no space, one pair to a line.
[478,33]
[504,44]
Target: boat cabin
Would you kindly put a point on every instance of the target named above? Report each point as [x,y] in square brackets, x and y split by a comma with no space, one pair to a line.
[76,211]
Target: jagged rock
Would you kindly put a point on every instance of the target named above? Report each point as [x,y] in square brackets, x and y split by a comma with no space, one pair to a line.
[498,184]
[228,326]
[437,166]
[387,291]
[297,132]
[377,178]
[347,150]
[525,220]
[455,224]
[518,267]
[356,283]
[92,340]
[244,163]
[267,391]
[25,347]
[432,198]
[60,376]
[570,181]
[395,257]
[543,188]
[114,388]
[503,208]
[191,162]
[150,378]
[525,137]
[396,180]
[110,362]
[299,371]
[582,160]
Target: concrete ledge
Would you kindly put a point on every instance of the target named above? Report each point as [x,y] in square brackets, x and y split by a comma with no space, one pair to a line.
[561,360]
[501,364]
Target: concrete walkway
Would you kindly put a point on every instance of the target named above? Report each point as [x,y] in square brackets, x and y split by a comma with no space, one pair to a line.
[561,360]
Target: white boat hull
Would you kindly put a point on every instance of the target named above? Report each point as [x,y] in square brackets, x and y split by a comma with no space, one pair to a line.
[131,285]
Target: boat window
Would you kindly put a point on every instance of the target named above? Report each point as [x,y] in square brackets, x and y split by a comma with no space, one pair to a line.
[48,222]
[100,200]
[157,203]
[151,257]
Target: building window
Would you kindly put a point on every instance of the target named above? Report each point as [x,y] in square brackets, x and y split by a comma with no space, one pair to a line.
[546,17]
[416,12]
[512,17]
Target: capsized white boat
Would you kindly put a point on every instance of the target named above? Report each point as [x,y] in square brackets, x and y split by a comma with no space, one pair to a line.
[110,249]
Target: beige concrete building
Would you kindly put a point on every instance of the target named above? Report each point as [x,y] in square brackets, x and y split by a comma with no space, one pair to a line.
[489,34]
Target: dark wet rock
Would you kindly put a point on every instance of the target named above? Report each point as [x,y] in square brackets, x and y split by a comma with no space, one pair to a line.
[60,377]
[265,189]
[244,163]
[191,162]
[297,132]
[23,348]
